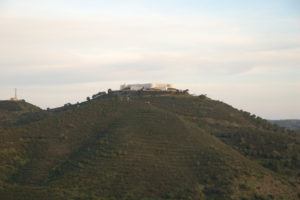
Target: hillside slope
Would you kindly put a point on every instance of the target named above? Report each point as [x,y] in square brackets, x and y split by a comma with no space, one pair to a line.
[270,145]
[142,147]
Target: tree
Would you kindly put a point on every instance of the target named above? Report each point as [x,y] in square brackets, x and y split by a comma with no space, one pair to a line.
[88,98]
[186,91]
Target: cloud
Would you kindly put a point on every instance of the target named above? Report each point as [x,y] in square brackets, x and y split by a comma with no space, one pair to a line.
[220,45]
[50,51]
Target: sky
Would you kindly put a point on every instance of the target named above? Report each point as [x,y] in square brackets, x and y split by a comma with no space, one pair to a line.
[244,53]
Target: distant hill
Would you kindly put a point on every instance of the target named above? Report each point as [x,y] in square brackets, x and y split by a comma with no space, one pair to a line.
[14,112]
[15,106]
[150,146]
[293,124]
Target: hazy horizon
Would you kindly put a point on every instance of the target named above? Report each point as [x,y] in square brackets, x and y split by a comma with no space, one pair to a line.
[243,53]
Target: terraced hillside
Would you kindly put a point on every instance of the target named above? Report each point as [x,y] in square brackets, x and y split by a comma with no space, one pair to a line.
[148,146]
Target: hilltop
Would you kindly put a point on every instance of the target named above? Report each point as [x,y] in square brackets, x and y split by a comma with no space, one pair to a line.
[21,106]
[12,112]
[148,145]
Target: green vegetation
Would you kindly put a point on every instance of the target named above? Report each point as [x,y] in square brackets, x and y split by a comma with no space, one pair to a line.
[150,146]
[18,112]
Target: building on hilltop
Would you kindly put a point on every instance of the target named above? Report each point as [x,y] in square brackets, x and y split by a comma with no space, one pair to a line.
[147,86]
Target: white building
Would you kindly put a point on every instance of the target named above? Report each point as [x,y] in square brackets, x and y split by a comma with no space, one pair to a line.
[147,86]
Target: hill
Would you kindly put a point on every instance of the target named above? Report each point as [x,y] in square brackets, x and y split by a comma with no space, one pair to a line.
[17,112]
[293,124]
[148,146]
[15,106]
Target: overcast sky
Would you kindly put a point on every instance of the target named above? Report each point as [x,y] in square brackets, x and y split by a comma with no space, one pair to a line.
[245,53]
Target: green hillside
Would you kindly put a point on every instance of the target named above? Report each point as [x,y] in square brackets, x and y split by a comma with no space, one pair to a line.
[17,112]
[147,146]
[15,106]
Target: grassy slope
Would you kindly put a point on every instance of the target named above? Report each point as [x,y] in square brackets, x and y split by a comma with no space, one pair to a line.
[118,149]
